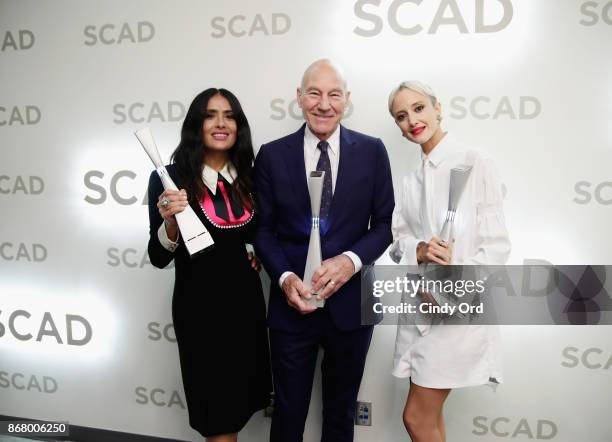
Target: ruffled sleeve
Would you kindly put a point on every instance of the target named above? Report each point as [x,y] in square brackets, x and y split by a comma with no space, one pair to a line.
[492,239]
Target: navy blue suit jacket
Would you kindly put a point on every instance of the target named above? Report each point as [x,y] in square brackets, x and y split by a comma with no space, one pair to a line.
[359,220]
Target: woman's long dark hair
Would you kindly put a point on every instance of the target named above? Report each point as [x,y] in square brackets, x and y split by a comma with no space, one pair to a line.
[189,155]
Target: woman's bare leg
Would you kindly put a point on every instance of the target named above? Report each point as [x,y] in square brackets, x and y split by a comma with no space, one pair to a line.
[423,413]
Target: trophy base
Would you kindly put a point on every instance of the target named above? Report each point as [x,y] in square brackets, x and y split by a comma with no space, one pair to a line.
[319,303]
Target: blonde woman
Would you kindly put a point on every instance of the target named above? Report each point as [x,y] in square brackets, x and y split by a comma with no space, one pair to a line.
[442,357]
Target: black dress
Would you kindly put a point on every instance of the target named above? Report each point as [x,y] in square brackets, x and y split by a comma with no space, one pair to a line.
[218,310]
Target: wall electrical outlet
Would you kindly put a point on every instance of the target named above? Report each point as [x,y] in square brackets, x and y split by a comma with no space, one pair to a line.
[363,413]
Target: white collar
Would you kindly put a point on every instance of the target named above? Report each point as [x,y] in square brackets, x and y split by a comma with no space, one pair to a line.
[441,151]
[311,139]
[210,176]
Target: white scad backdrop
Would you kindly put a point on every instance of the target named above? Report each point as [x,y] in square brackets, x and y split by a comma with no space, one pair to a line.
[85,324]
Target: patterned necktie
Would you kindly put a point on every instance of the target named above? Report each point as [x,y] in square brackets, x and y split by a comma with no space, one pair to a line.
[324,165]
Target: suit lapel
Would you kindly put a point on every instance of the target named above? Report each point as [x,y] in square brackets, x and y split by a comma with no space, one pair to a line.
[294,161]
[348,163]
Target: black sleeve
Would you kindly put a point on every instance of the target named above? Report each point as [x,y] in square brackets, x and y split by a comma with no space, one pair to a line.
[379,236]
[158,255]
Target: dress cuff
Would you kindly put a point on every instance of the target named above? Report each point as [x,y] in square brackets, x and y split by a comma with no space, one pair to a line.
[166,242]
[282,278]
[403,251]
[356,260]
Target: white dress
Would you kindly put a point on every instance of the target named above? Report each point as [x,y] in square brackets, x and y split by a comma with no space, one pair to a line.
[450,356]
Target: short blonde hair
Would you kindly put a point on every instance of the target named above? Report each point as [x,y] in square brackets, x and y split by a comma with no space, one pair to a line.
[413,85]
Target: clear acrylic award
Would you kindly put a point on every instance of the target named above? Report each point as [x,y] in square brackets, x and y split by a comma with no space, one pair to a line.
[314,258]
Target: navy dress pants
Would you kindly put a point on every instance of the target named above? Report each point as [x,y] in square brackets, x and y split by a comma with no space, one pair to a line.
[294,358]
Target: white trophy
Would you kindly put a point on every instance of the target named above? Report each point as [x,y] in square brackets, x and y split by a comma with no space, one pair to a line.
[458,179]
[195,236]
[314,258]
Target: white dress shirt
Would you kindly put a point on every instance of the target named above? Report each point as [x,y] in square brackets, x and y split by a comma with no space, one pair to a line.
[450,356]
[479,228]
[312,153]
[210,177]
[311,157]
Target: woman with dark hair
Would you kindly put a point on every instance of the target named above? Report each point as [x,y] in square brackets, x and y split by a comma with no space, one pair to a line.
[218,308]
